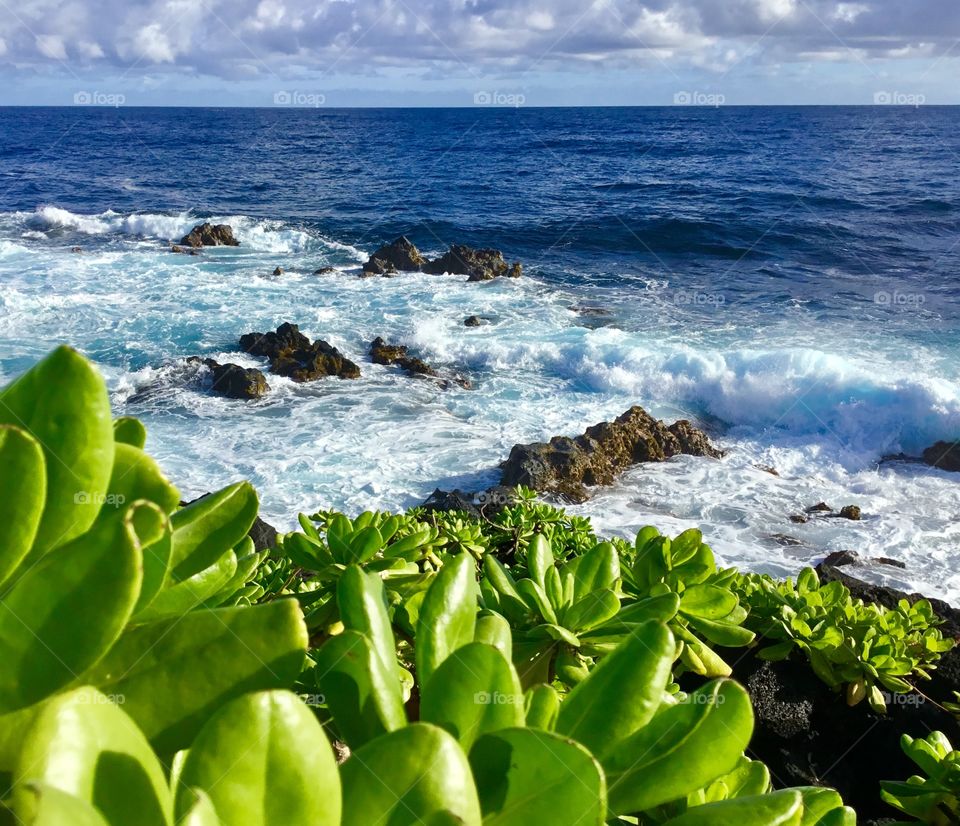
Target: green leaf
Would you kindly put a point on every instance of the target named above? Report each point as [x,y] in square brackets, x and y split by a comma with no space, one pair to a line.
[205,530]
[175,673]
[365,543]
[663,608]
[681,749]
[709,602]
[597,569]
[494,630]
[594,609]
[818,803]
[600,712]
[447,616]
[432,783]
[362,601]
[526,776]
[84,745]
[361,692]
[42,805]
[136,476]
[129,431]
[199,809]
[542,705]
[722,633]
[783,808]
[263,759]
[685,547]
[23,491]
[539,560]
[474,691]
[66,611]
[62,401]
[182,597]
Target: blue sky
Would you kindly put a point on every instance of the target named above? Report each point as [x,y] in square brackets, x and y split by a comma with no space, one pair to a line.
[478,52]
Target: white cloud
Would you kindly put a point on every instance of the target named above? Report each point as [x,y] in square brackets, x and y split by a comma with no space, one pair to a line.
[152,44]
[51,46]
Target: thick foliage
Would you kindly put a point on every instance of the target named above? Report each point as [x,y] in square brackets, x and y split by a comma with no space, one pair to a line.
[864,647]
[934,799]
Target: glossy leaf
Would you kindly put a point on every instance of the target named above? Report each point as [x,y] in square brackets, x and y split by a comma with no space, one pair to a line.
[784,808]
[448,615]
[129,431]
[362,602]
[542,705]
[175,673]
[62,401]
[622,693]
[362,693]
[63,615]
[473,692]
[263,759]
[85,745]
[431,784]
[23,492]
[42,805]
[494,630]
[526,776]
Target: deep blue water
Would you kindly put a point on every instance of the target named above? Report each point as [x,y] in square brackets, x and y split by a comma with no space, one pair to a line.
[788,276]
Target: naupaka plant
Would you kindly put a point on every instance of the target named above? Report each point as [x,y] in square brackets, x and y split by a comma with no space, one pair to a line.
[106,581]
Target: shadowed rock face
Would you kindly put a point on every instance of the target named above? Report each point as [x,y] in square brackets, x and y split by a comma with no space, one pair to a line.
[944,455]
[210,235]
[234,381]
[397,256]
[479,265]
[402,255]
[383,353]
[293,355]
[566,465]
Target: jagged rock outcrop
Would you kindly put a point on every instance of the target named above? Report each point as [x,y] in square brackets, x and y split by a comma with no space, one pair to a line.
[479,265]
[944,455]
[293,355]
[565,465]
[397,354]
[232,380]
[210,235]
[400,255]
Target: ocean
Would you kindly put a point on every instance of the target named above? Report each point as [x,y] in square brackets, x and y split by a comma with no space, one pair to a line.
[786,277]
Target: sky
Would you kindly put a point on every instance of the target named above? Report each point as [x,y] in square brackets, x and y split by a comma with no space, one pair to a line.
[478,52]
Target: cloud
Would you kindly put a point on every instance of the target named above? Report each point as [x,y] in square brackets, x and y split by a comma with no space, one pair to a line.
[231,38]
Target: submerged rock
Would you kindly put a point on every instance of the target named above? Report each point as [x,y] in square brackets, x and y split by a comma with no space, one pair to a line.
[850,512]
[479,265]
[565,465]
[944,455]
[400,255]
[210,235]
[232,380]
[324,270]
[383,353]
[293,355]
[278,271]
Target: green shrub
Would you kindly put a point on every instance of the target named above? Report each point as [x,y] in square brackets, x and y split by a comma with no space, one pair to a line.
[934,799]
[862,647]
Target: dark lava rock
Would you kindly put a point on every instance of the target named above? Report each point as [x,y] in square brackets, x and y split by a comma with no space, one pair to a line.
[479,265]
[324,270]
[234,381]
[292,354]
[487,503]
[768,469]
[383,353]
[210,235]
[799,518]
[850,512]
[820,507]
[76,249]
[566,465]
[278,271]
[397,256]
[838,558]
[472,321]
[807,735]
[263,534]
[944,455]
